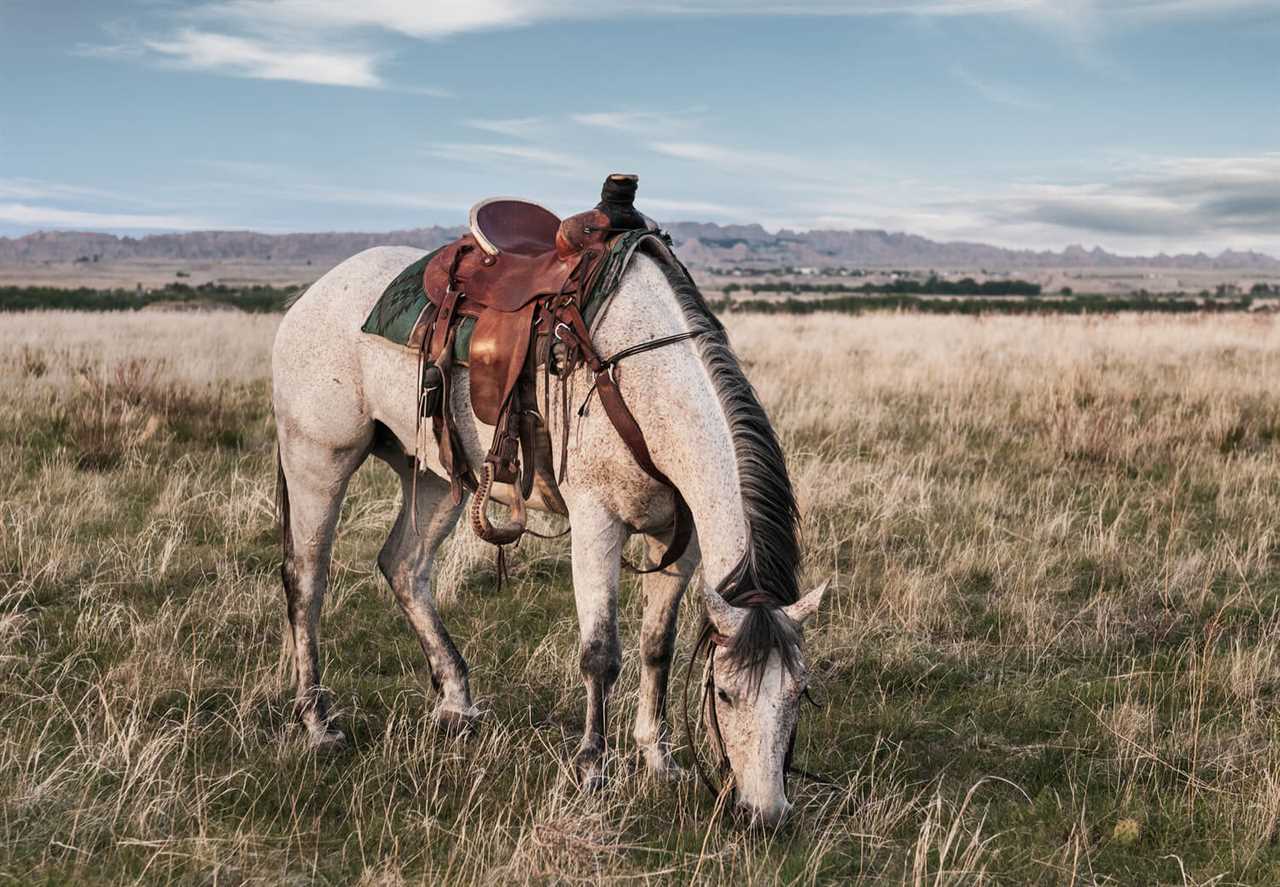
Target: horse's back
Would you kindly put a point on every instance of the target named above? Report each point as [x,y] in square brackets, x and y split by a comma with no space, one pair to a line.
[316,365]
[352,287]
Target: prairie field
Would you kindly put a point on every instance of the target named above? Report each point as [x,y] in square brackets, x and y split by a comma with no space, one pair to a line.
[1052,655]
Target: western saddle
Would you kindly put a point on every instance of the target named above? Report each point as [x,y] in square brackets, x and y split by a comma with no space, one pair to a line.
[524,276]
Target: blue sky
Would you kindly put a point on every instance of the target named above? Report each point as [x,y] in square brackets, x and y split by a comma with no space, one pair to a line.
[1140,125]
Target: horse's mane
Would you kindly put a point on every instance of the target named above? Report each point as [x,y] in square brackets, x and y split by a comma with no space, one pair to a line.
[765,578]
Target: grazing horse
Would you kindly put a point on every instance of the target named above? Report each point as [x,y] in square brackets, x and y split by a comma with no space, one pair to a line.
[342,395]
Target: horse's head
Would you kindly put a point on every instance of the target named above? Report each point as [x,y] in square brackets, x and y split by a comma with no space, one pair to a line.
[756,674]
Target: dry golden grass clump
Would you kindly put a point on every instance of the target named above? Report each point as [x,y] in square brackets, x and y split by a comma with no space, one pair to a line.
[1051,657]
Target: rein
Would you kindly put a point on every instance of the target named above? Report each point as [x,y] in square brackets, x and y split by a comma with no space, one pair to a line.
[611,362]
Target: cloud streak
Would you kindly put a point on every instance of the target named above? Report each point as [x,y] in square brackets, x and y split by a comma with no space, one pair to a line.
[996,92]
[444,18]
[1183,197]
[639,122]
[488,153]
[310,41]
[53,217]
[724,157]
[512,127]
[264,60]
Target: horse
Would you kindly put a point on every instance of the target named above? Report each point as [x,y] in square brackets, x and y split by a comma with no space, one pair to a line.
[341,396]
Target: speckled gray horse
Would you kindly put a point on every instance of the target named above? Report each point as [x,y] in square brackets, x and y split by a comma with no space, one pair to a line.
[342,395]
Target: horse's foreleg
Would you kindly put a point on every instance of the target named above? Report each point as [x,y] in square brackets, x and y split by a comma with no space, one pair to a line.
[313,482]
[406,560]
[597,551]
[662,594]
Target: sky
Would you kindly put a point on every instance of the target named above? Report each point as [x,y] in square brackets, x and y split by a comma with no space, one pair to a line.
[1138,125]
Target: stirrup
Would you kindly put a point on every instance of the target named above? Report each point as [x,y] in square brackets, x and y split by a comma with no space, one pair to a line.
[480,523]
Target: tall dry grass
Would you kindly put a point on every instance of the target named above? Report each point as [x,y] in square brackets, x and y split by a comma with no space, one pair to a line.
[1051,655]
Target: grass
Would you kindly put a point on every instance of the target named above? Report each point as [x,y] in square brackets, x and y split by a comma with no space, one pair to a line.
[1052,657]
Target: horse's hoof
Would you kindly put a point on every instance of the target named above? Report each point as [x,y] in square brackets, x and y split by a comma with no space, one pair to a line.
[661,767]
[328,740]
[588,764]
[455,721]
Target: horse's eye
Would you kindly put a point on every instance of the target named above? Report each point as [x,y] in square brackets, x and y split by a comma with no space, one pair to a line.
[724,697]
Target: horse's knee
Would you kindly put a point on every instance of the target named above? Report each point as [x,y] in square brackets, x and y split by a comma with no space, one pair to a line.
[657,648]
[601,659]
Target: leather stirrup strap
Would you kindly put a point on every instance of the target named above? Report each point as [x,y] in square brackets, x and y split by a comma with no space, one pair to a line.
[452,454]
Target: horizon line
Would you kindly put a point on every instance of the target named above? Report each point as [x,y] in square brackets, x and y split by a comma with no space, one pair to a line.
[1069,247]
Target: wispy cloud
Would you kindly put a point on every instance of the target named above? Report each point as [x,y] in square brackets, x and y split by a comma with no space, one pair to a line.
[265,60]
[1145,205]
[996,92]
[484,153]
[36,189]
[377,197]
[54,217]
[643,122]
[723,156]
[443,18]
[704,209]
[414,18]
[513,127]
[290,184]
[311,41]
[1182,197]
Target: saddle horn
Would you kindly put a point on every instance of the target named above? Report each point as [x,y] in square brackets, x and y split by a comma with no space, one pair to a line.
[618,202]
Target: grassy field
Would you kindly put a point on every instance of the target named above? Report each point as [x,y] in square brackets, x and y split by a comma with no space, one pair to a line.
[1052,656]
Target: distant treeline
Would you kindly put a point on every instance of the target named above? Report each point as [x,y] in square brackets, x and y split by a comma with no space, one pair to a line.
[258,299]
[266,299]
[1073,305]
[931,286]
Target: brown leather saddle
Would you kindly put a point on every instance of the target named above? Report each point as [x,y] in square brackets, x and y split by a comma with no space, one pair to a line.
[523,275]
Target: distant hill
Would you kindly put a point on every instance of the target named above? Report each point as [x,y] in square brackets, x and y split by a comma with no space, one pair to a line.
[701,244]
[319,248]
[709,244]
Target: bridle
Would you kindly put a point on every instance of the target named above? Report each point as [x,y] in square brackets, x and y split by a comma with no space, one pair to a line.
[707,641]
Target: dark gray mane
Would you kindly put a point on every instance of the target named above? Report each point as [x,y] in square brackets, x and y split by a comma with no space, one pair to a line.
[766,577]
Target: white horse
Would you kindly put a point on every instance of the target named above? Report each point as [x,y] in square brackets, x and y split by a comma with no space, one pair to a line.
[342,395]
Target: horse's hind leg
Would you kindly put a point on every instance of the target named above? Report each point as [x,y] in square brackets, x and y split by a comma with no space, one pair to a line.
[313,480]
[662,594]
[406,560]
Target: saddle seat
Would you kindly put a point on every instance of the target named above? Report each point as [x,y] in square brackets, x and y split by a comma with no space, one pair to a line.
[508,225]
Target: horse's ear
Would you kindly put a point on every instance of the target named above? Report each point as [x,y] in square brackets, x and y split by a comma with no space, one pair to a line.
[802,610]
[724,616]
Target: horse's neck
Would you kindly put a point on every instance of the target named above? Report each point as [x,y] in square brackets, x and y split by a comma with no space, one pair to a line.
[671,393]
